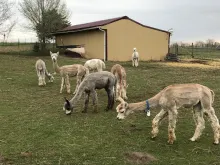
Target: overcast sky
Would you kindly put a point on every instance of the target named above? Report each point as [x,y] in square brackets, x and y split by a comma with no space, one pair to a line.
[191,20]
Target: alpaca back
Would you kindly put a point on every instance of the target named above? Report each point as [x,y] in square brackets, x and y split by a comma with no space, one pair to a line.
[40,66]
[94,64]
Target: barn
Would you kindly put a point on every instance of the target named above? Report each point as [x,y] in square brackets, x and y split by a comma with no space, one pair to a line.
[114,39]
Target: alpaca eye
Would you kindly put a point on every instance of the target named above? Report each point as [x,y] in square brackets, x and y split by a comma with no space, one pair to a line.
[122,111]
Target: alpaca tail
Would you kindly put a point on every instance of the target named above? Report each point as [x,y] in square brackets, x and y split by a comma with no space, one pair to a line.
[103,65]
[87,71]
[213,95]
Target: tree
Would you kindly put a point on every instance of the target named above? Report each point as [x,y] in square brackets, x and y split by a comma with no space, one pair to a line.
[6,14]
[45,16]
[210,42]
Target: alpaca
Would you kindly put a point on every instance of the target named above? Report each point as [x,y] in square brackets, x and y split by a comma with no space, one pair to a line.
[41,69]
[135,58]
[95,64]
[67,71]
[121,86]
[93,81]
[170,99]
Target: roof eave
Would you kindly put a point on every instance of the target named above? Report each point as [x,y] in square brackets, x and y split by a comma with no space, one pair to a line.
[74,31]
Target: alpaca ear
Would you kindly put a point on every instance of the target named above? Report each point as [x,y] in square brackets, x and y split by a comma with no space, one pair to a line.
[67,101]
[51,53]
[57,53]
[126,105]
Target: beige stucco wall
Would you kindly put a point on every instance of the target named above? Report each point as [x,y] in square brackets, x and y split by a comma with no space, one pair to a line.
[124,35]
[93,41]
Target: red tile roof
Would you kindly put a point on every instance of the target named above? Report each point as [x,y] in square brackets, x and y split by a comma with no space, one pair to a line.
[96,24]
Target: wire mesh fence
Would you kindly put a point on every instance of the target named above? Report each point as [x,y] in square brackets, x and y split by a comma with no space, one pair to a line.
[191,51]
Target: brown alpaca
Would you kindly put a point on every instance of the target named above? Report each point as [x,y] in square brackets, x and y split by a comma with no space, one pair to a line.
[121,86]
[67,71]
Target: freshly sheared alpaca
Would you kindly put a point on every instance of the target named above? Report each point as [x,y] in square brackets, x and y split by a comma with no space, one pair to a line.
[93,81]
[135,58]
[41,69]
[121,86]
[95,64]
[170,99]
[67,71]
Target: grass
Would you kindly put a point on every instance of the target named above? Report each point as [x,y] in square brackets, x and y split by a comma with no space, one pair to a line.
[32,120]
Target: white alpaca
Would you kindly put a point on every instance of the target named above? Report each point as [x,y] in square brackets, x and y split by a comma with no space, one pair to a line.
[67,71]
[135,58]
[41,69]
[170,99]
[121,86]
[95,64]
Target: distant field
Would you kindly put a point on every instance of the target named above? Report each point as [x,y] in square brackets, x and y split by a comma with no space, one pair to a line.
[35,131]
[20,48]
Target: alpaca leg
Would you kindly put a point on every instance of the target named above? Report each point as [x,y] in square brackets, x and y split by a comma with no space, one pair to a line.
[86,103]
[112,98]
[214,124]
[156,122]
[62,84]
[200,124]
[40,81]
[172,125]
[109,99]
[79,79]
[67,84]
[94,100]
[43,76]
[132,62]
[137,62]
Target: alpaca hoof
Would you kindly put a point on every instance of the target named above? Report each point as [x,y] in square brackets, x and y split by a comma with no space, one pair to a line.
[192,139]
[170,141]
[216,142]
[153,137]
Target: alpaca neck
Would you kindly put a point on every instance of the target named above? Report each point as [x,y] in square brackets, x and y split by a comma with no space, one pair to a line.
[141,106]
[77,96]
[56,67]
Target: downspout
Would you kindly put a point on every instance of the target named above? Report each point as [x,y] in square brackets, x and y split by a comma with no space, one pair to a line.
[169,43]
[104,42]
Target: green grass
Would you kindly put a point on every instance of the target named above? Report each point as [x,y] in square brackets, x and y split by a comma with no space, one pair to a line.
[32,120]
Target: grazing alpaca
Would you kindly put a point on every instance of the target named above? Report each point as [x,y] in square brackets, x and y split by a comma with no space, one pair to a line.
[121,86]
[41,69]
[95,64]
[170,99]
[135,58]
[67,71]
[93,81]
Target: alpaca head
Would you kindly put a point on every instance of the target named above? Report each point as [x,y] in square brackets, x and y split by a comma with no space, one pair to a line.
[51,78]
[122,109]
[54,56]
[68,108]
[134,49]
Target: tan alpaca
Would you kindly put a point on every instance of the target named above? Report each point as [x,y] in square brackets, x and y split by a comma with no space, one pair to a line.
[170,99]
[67,71]
[121,86]
[41,69]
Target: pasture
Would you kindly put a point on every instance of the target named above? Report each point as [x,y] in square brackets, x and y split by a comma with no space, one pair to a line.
[35,130]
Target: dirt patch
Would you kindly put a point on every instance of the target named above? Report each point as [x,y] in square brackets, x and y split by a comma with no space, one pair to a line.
[5,161]
[139,157]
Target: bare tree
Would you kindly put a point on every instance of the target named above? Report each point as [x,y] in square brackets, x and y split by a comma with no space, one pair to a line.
[200,44]
[6,14]
[210,42]
[36,12]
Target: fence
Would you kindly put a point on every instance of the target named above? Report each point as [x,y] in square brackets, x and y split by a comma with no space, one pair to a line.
[21,47]
[207,52]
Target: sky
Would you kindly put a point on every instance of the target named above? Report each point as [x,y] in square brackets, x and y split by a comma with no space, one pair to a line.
[191,20]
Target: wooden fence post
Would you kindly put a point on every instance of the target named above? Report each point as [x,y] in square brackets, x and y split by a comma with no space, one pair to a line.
[192,50]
